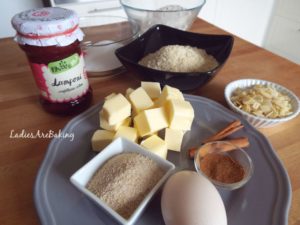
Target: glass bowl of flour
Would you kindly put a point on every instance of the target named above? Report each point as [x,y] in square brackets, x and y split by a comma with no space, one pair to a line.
[179,14]
[103,35]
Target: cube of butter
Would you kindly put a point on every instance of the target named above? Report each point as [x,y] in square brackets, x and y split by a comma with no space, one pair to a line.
[104,124]
[127,122]
[152,89]
[173,139]
[169,92]
[116,109]
[128,92]
[156,145]
[150,121]
[180,114]
[101,138]
[148,135]
[129,133]
[140,100]
[109,96]
[156,103]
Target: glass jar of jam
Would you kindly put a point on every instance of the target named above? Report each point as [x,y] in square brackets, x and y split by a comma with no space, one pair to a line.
[51,37]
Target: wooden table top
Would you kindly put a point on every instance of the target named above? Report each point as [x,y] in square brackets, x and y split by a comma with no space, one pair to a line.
[20,159]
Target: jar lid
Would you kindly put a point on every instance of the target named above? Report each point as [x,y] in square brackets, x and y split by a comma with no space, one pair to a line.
[47,26]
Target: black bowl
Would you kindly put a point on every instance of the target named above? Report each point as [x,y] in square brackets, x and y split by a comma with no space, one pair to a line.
[158,36]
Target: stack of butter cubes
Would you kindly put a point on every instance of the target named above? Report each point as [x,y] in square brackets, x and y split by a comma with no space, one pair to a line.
[141,114]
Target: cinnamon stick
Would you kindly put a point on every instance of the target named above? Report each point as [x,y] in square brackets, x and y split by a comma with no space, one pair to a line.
[230,129]
[192,152]
[241,142]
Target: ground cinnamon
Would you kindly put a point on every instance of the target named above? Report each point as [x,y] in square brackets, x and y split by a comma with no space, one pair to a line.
[222,168]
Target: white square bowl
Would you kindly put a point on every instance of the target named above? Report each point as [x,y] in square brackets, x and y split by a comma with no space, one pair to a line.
[257,121]
[81,177]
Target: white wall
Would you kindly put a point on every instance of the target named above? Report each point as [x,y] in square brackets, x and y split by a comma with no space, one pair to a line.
[248,19]
[9,9]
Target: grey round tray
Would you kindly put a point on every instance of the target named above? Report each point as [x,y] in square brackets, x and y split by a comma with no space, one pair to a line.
[264,200]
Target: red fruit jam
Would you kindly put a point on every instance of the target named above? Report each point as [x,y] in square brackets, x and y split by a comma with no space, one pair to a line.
[50,37]
[46,55]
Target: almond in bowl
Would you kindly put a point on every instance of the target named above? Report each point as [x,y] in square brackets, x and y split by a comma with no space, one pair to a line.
[262,103]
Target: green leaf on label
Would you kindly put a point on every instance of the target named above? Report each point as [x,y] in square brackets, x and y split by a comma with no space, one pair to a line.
[63,65]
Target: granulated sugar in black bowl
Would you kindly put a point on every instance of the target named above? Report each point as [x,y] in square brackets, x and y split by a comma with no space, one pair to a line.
[218,46]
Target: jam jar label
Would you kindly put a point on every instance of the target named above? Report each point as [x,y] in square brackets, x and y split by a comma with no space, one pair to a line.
[63,80]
